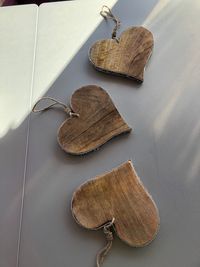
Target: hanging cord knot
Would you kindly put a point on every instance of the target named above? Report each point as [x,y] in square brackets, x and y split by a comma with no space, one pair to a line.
[109,238]
[108,234]
[106,13]
[54,102]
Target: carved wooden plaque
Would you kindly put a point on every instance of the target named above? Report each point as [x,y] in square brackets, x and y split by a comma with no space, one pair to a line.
[128,57]
[98,121]
[118,194]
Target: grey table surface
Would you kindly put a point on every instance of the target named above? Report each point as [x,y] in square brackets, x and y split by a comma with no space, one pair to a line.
[164,147]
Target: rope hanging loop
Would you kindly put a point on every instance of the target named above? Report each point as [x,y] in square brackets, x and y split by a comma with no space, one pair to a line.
[106,13]
[54,102]
[109,238]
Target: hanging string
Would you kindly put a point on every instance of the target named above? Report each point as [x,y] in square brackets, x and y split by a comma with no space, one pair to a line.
[107,14]
[109,238]
[55,102]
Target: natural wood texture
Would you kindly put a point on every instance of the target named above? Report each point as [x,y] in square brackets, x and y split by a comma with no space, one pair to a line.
[99,121]
[126,58]
[121,195]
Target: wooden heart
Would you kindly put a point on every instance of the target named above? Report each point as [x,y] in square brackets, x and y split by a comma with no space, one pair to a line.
[98,121]
[128,57]
[121,195]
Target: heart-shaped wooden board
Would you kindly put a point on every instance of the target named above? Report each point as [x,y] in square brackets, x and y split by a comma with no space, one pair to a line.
[121,195]
[98,121]
[128,57]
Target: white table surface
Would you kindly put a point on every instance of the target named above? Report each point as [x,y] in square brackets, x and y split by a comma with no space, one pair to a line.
[38,178]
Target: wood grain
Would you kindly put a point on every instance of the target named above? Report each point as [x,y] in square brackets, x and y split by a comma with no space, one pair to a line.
[128,57]
[121,195]
[99,121]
